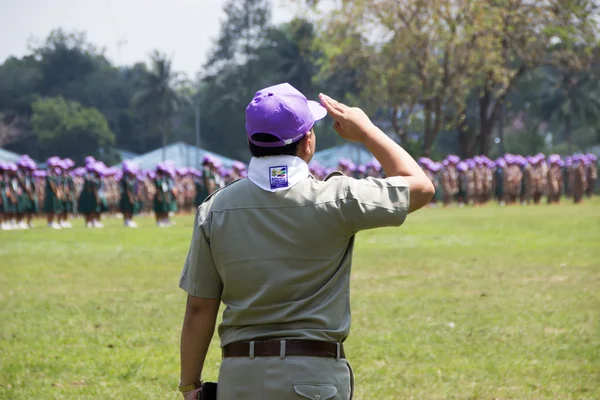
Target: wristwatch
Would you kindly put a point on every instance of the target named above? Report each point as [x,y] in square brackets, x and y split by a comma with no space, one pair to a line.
[191,386]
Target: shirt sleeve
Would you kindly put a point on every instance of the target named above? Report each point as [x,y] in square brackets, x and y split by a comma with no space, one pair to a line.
[375,203]
[199,276]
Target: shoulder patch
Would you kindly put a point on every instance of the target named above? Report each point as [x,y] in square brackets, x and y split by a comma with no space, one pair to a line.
[333,174]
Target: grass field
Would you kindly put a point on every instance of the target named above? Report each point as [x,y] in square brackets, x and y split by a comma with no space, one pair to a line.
[484,303]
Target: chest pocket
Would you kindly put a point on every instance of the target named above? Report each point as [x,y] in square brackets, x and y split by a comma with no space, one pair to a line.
[316,391]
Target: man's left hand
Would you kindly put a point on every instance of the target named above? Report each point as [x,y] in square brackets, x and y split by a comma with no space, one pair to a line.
[191,395]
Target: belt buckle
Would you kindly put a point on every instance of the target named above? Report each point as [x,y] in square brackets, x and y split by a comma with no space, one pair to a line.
[251,350]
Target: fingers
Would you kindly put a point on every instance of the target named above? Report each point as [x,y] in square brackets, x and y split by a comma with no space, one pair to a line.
[337,127]
[334,108]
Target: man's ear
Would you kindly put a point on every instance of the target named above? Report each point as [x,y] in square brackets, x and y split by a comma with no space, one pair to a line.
[307,144]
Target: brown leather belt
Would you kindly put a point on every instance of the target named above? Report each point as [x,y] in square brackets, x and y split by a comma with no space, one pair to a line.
[284,348]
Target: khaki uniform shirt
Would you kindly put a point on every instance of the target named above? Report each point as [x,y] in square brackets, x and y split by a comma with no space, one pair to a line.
[280,261]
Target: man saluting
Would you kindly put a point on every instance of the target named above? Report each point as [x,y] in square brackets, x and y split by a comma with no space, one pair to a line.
[276,249]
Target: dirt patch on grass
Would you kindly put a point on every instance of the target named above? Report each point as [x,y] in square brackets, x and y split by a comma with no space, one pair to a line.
[551,278]
[553,331]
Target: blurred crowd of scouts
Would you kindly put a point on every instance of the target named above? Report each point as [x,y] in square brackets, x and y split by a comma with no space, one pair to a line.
[63,191]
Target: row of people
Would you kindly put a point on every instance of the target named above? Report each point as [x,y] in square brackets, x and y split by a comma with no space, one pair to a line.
[508,179]
[512,178]
[63,191]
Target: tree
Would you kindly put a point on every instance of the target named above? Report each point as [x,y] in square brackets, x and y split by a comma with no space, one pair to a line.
[9,130]
[67,129]
[18,81]
[572,98]
[242,61]
[161,95]
[523,39]
[65,60]
[423,55]
[446,60]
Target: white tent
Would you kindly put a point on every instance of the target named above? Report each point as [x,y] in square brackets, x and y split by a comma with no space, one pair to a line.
[181,154]
[9,156]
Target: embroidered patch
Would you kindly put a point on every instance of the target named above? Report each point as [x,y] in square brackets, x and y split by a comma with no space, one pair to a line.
[278,177]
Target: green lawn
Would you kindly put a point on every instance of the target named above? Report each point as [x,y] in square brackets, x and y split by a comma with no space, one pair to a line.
[472,303]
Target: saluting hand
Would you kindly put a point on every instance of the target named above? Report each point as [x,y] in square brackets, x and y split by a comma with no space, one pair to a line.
[351,123]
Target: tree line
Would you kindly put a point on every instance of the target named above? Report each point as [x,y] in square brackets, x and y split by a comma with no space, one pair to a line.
[440,76]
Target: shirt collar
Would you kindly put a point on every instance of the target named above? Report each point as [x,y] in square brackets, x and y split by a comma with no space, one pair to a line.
[277,173]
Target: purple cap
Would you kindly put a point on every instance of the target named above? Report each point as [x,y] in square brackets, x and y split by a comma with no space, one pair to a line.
[462,166]
[520,160]
[343,162]
[129,167]
[500,162]
[26,163]
[195,172]
[11,167]
[68,163]
[238,166]
[585,159]
[470,163]
[90,160]
[53,161]
[208,159]
[553,158]
[453,159]
[161,167]
[592,157]
[435,166]
[376,165]
[361,169]
[39,173]
[182,171]
[283,112]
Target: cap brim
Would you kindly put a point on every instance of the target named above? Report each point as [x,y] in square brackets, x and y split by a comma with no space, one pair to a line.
[318,111]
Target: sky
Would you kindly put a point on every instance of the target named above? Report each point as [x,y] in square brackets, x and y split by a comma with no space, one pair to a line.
[128,30]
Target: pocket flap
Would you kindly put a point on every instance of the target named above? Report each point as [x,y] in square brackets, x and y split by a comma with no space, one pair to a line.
[315,391]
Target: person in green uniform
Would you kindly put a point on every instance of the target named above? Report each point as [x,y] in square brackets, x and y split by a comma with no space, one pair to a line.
[3,225]
[462,194]
[68,187]
[172,182]
[566,174]
[201,191]
[10,196]
[26,196]
[209,174]
[89,200]
[4,222]
[499,181]
[32,195]
[53,192]
[14,196]
[129,200]
[162,200]
[276,250]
